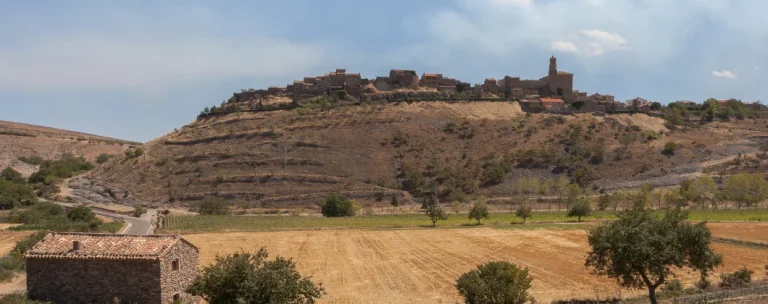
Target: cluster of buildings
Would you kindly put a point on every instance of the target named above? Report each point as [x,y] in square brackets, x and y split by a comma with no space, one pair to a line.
[553,91]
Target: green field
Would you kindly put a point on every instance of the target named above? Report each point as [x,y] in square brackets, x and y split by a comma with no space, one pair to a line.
[262,223]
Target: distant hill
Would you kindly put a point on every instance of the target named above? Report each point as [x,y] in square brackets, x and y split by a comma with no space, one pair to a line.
[291,158]
[25,140]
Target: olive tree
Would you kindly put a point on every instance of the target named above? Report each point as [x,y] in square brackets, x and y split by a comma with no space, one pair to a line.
[245,277]
[524,212]
[641,250]
[497,282]
[701,191]
[479,211]
[433,210]
[580,209]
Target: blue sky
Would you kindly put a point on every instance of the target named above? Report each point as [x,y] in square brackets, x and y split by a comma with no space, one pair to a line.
[138,69]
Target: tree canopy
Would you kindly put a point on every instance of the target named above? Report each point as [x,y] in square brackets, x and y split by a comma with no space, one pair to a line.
[245,277]
[338,206]
[433,210]
[479,211]
[212,205]
[641,250]
[498,282]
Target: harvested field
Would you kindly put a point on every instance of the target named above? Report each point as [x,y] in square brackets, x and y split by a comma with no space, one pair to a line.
[421,266]
[8,239]
[750,232]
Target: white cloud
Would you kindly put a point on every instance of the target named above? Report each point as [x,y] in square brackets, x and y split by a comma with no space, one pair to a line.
[757,68]
[564,46]
[592,42]
[724,74]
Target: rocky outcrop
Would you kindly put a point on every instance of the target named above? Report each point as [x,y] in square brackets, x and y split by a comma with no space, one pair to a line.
[90,191]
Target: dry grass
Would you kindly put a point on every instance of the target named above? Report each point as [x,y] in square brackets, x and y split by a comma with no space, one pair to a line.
[750,232]
[8,239]
[421,266]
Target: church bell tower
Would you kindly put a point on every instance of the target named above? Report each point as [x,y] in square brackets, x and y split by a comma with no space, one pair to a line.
[552,66]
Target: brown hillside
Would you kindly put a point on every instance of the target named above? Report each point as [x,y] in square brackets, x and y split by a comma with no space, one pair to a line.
[288,159]
[19,139]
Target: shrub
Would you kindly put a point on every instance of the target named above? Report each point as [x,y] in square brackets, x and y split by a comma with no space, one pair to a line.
[497,282]
[103,158]
[739,278]
[212,205]
[673,286]
[65,167]
[130,153]
[245,277]
[139,151]
[11,175]
[669,148]
[338,206]
[13,195]
[394,201]
[81,214]
[138,210]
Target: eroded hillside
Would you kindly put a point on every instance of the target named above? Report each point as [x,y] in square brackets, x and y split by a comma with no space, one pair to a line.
[371,153]
[24,140]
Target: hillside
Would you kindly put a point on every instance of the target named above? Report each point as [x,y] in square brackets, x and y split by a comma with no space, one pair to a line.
[24,140]
[372,152]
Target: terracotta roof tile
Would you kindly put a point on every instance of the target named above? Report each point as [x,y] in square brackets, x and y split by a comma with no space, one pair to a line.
[103,246]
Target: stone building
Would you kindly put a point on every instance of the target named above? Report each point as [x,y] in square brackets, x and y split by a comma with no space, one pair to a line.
[99,268]
[557,84]
[406,79]
[552,103]
[430,80]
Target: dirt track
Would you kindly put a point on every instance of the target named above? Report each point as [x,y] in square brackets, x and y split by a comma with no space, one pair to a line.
[421,266]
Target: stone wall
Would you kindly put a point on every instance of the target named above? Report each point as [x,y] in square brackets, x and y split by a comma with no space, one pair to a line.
[93,281]
[176,281]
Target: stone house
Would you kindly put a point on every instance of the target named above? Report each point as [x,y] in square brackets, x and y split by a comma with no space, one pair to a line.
[552,103]
[403,79]
[431,80]
[100,268]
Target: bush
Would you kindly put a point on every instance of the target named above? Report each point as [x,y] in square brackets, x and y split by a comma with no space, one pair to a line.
[103,158]
[12,176]
[498,282]
[65,167]
[674,286]
[139,151]
[138,210]
[81,214]
[669,148]
[14,195]
[130,153]
[212,205]
[338,206]
[245,277]
[739,278]
[14,260]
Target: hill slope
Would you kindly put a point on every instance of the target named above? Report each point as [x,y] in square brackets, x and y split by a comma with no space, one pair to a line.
[25,140]
[288,158]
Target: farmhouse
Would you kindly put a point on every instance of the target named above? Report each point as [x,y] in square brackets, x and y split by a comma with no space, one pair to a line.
[100,268]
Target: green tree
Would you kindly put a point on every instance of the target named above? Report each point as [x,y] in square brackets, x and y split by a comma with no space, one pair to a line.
[746,189]
[603,202]
[81,214]
[641,249]
[12,175]
[764,148]
[479,211]
[574,192]
[702,191]
[211,205]
[433,210]
[497,282]
[580,209]
[655,106]
[245,277]
[139,151]
[710,109]
[338,206]
[456,207]
[394,201]
[524,212]
[138,210]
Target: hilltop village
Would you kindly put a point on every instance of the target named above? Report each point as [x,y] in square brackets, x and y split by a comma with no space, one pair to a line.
[553,93]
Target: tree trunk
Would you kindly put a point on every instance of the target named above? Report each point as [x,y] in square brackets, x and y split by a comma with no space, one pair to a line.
[652,294]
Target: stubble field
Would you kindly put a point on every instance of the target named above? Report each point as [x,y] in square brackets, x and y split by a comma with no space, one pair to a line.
[421,266]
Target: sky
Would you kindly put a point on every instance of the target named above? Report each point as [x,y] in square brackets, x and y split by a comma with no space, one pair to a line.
[138,69]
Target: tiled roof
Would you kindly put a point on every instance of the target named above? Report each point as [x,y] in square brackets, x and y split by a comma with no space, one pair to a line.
[552,100]
[58,245]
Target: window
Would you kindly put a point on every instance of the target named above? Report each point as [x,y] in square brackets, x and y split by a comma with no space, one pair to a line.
[175,264]
[176,298]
